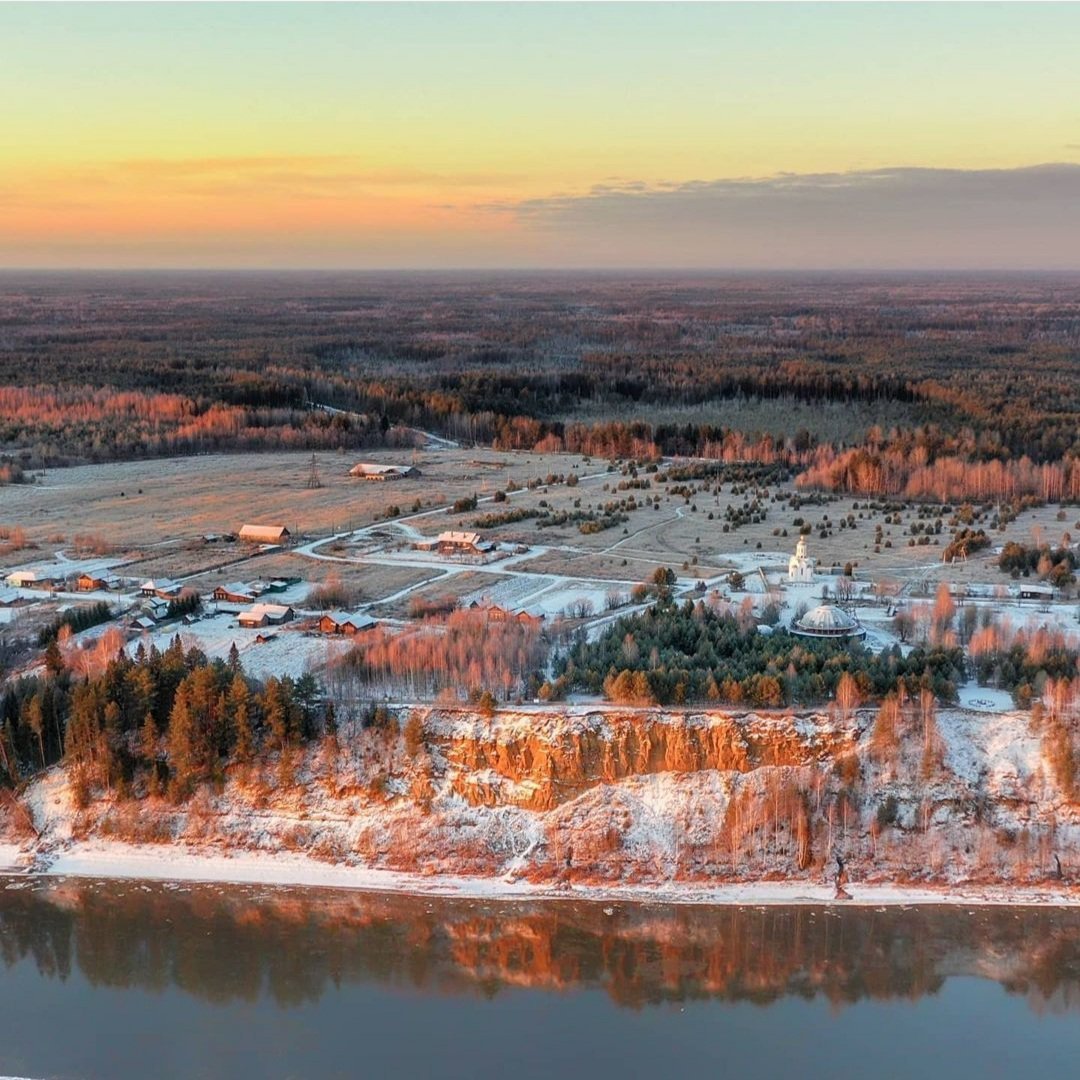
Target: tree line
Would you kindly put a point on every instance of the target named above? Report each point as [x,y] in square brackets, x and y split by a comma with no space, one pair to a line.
[160,722]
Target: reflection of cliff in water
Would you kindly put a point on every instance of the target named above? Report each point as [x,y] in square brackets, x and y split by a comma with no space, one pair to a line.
[226,943]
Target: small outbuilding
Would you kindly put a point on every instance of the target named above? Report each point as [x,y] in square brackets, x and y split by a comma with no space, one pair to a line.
[366,470]
[1036,590]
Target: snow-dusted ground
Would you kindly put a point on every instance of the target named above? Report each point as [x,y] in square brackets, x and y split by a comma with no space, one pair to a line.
[288,652]
[984,698]
[106,859]
[551,596]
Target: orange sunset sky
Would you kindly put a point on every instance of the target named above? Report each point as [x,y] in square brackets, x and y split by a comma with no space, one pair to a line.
[446,135]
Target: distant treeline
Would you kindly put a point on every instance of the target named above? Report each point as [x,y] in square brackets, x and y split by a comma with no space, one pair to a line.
[987,370]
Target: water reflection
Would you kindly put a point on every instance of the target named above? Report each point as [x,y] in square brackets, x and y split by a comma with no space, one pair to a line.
[224,944]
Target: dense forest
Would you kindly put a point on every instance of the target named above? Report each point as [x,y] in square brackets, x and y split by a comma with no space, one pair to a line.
[980,376]
[161,722]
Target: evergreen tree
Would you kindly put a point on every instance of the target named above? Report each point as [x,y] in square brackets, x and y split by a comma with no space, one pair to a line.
[239,709]
[35,720]
[54,660]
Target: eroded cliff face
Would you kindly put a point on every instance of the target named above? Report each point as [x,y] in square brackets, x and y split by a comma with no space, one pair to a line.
[541,760]
[623,796]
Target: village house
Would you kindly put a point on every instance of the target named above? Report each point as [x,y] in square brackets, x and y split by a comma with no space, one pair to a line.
[264,534]
[497,613]
[344,622]
[265,615]
[453,542]
[11,597]
[162,588]
[368,471]
[88,582]
[236,593]
[155,608]
[32,579]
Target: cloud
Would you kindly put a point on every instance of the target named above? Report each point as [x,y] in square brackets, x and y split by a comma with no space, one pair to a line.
[900,217]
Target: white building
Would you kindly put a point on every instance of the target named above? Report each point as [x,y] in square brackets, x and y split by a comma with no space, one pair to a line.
[827,621]
[800,568]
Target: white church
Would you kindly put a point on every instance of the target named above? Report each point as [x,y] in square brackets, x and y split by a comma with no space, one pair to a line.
[800,567]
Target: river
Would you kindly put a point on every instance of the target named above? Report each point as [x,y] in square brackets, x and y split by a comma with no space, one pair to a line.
[131,979]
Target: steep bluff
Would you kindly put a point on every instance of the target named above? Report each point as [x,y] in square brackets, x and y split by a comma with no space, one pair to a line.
[539,761]
[615,796]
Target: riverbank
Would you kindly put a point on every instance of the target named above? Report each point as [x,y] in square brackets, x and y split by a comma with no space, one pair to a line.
[181,863]
[709,808]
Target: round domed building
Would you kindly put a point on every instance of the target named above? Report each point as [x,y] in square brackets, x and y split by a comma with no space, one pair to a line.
[828,621]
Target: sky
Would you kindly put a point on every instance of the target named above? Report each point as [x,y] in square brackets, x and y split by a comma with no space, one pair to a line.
[729,136]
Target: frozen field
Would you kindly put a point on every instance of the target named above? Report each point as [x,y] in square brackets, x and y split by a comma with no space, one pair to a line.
[288,650]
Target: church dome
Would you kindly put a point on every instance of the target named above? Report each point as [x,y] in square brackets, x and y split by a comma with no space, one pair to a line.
[828,621]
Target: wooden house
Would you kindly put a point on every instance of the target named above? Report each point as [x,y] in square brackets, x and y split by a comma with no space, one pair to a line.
[265,615]
[344,622]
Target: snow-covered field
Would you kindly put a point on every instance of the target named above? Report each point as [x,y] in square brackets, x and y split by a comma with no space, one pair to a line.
[288,651]
[551,596]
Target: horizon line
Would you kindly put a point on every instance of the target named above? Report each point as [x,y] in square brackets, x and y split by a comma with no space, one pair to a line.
[532,269]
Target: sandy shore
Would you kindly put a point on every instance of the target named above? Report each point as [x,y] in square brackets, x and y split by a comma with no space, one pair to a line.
[107,859]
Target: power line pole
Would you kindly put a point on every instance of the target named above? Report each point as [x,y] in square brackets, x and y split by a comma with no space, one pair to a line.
[313,477]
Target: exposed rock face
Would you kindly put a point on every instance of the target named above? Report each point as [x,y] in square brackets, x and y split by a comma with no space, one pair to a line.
[539,761]
[625,796]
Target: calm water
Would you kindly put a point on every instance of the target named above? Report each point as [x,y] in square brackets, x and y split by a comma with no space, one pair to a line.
[137,980]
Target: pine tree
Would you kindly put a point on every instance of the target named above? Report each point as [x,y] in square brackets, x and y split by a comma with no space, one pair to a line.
[233,662]
[35,720]
[148,739]
[148,748]
[239,709]
[275,709]
[182,744]
[54,660]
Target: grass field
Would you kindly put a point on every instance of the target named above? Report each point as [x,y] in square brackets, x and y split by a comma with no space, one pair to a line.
[155,512]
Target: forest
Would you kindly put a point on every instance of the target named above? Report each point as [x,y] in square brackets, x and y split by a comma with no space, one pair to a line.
[977,378]
[161,722]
